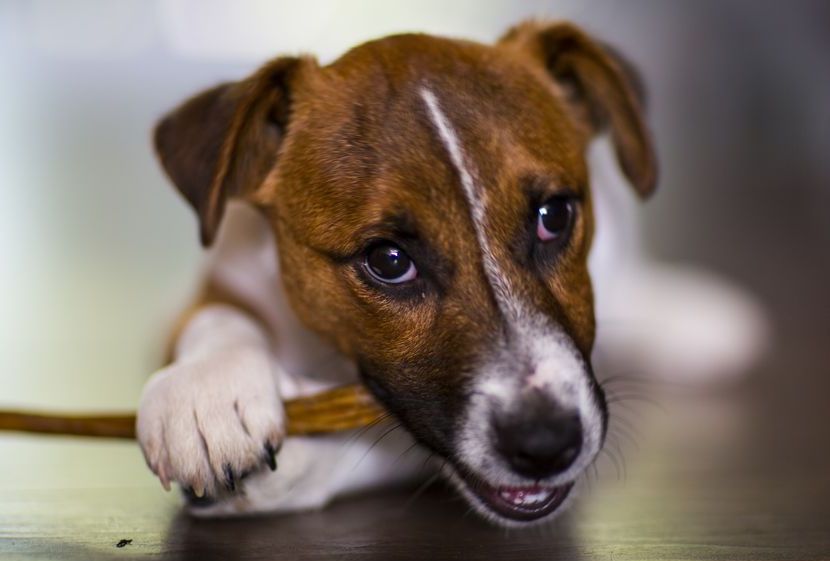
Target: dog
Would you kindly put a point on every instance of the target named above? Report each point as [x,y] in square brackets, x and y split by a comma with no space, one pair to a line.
[416,216]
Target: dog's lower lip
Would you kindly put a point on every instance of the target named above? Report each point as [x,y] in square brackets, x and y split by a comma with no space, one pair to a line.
[523,503]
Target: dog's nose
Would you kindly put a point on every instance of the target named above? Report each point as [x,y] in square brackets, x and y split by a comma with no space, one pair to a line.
[539,446]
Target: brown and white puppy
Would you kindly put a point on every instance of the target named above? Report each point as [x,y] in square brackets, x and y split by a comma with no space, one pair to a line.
[429,200]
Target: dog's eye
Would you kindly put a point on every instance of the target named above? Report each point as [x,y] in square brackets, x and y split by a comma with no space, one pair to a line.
[555,218]
[388,263]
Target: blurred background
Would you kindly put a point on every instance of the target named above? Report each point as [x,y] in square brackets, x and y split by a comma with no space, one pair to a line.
[97,251]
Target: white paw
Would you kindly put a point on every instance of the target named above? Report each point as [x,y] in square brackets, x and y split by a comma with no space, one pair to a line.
[209,421]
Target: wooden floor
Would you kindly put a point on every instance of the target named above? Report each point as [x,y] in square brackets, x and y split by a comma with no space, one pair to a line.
[744,474]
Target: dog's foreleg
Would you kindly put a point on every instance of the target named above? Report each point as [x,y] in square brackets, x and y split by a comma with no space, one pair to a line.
[214,414]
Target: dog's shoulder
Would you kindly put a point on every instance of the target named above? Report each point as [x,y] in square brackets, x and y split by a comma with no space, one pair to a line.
[244,262]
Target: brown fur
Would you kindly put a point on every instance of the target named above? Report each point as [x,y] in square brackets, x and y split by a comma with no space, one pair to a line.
[340,155]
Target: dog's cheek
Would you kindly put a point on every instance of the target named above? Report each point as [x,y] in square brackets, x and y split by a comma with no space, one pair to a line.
[315,293]
[420,378]
[420,396]
[413,353]
[571,288]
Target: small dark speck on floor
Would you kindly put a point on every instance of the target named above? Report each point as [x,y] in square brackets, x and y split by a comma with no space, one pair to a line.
[122,543]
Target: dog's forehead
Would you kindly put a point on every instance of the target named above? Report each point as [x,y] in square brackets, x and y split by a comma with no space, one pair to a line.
[370,146]
[501,102]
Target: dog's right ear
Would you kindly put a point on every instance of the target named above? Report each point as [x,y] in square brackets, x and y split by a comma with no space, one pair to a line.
[223,142]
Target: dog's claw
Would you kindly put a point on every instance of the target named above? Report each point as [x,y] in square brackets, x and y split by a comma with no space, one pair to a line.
[196,497]
[165,481]
[271,456]
[230,480]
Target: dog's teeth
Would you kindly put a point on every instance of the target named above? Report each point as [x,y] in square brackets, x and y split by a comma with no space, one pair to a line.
[525,497]
[537,497]
[514,497]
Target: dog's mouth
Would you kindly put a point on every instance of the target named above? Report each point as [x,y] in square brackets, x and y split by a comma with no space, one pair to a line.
[519,503]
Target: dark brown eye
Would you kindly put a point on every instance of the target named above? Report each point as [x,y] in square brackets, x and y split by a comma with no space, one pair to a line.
[555,218]
[388,263]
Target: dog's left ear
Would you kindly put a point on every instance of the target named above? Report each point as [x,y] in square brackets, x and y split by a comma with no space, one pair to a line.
[223,142]
[602,86]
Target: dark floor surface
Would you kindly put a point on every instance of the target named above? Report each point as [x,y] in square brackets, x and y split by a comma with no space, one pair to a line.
[741,475]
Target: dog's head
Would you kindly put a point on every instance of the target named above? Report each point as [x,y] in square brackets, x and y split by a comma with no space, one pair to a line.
[432,208]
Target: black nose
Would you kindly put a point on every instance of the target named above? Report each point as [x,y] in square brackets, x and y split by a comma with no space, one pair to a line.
[539,446]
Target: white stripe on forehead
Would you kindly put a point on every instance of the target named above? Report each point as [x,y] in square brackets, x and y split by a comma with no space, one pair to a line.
[557,367]
[477,200]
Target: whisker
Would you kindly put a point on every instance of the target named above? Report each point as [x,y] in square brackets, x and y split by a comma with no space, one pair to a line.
[405,452]
[360,433]
[427,459]
[376,442]
[628,398]
[621,456]
[424,486]
[644,378]
[634,395]
[620,417]
[421,490]
[610,456]
[625,377]
[349,443]
[589,479]
[594,469]
[620,431]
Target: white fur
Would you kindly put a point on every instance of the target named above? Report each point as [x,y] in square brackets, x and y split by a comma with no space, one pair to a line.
[216,405]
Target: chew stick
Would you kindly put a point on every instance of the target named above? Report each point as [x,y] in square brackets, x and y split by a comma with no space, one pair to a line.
[344,408]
